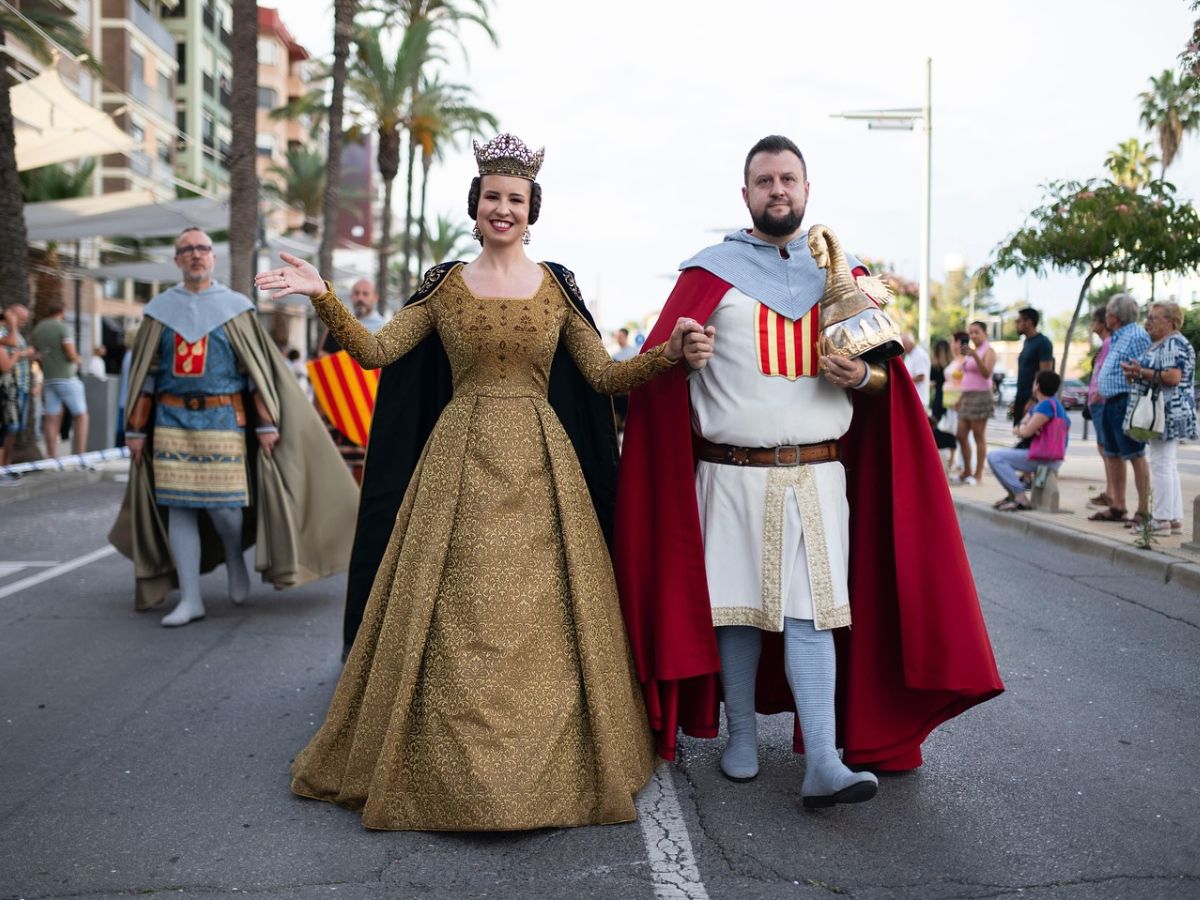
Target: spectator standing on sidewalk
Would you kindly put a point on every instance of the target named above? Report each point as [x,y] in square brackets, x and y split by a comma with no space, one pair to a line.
[916,360]
[1169,365]
[1128,342]
[95,365]
[976,405]
[62,387]
[1037,354]
[1008,461]
[15,370]
[1095,400]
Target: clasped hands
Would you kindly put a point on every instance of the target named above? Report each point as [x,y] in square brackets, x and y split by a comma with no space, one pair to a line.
[691,341]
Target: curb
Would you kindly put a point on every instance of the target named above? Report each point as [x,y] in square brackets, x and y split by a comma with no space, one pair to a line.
[1150,563]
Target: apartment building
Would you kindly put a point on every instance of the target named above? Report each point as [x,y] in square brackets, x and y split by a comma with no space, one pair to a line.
[139,55]
[282,78]
[203,85]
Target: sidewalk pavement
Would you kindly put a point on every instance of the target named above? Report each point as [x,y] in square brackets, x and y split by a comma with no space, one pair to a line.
[1174,559]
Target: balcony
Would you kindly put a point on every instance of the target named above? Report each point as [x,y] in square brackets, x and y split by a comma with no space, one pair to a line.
[153,29]
[152,99]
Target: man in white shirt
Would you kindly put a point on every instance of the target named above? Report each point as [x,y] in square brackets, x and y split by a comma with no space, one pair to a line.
[916,360]
[95,366]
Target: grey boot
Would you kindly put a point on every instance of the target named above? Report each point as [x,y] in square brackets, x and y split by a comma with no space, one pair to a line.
[183,532]
[811,668]
[739,646]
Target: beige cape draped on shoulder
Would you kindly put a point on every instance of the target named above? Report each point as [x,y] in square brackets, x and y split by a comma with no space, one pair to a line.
[303,497]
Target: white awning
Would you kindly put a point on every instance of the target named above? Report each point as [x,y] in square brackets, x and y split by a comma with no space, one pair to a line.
[135,214]
[51,124]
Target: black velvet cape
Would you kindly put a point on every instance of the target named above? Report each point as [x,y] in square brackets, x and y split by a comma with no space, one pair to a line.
[412,393]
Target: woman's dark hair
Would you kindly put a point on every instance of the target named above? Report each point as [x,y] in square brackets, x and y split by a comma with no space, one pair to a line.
[535,200]
[941,352]
[1048,382]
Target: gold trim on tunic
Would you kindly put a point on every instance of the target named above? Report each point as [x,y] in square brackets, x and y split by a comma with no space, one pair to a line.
[769,616]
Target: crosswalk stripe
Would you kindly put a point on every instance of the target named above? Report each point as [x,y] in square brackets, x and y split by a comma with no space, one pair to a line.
[60,569]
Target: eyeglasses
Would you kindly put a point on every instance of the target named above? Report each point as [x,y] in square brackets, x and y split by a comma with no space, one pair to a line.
[199,249]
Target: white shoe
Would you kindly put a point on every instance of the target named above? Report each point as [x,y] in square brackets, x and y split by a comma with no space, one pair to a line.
[970,479]
[187,611]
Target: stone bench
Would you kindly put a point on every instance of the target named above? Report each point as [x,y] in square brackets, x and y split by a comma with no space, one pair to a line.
[1044,495]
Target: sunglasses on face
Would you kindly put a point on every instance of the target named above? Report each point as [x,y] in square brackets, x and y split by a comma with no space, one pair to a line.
[199,249]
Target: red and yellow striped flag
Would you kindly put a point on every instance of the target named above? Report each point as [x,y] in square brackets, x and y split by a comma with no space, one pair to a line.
[785,346]
[345,392]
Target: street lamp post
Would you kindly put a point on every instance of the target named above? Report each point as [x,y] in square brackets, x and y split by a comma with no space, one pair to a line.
[904,120]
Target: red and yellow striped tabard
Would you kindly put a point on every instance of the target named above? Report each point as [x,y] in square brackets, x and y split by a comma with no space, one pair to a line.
[786,347]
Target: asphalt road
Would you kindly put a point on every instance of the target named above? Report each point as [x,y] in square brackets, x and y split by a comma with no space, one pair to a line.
[140,760]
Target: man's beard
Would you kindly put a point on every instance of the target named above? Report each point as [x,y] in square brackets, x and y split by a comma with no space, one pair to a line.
[777,226]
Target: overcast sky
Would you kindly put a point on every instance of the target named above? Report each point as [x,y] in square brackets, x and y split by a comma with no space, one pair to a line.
[646,111]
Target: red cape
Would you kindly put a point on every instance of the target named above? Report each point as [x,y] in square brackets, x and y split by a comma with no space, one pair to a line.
[917,653]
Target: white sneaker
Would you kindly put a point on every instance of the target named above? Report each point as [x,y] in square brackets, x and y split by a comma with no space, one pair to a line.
[970,479]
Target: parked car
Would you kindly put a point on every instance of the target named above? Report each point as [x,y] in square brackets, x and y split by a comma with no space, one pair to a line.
[1008,389]
[1074,393]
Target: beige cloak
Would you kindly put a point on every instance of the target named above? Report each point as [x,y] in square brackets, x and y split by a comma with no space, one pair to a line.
[303,498]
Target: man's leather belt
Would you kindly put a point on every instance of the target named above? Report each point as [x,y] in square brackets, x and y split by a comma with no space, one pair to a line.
[206,401]
[787,455]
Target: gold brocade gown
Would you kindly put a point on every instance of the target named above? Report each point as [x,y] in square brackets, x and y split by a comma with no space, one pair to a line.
[490,686]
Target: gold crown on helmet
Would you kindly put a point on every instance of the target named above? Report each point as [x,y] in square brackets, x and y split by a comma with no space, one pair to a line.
[506,154]
[852,323]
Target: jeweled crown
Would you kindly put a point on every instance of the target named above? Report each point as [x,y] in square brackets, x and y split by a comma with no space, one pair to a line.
[506,154]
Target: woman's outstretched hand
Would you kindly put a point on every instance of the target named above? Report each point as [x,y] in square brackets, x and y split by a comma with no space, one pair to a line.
[683,328]
[297,277]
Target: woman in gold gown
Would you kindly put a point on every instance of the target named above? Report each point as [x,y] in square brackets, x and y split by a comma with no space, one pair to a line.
[490,685]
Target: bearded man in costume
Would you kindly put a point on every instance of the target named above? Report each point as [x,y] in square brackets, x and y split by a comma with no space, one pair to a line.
[202,370]
[795,518]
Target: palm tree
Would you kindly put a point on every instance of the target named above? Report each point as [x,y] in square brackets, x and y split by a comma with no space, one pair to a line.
[301,184]
[56,182]
[343,33]
[447,239]
[36,28]
[1171,109]
[1131,164]
[440,115]
[243,179]
[382,86]
[440,16]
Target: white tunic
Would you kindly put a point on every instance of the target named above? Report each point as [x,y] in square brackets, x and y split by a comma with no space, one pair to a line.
[776,539]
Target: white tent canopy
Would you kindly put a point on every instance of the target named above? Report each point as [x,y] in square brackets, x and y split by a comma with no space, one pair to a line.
[135,214]
[53,125]
[161,266]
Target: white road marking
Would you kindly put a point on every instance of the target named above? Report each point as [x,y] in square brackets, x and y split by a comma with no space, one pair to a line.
[58,569]
[668,847]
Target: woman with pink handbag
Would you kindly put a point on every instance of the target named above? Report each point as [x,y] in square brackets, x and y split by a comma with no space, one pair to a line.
[1047,423]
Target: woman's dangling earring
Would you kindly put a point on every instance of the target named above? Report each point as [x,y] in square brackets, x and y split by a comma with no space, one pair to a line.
[477,234]
[525,238]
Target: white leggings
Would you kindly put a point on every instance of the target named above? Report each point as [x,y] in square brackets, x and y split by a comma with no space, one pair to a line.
[1164,479]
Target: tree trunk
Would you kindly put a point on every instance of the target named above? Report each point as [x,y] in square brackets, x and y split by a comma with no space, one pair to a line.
[343,30]
[422,232]
[388,159]
[406,275]
[243,180]
[14,264]
[385,244]
[1092,273]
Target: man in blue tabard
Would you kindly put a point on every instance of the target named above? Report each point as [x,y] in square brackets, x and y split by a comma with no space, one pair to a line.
[202,372]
